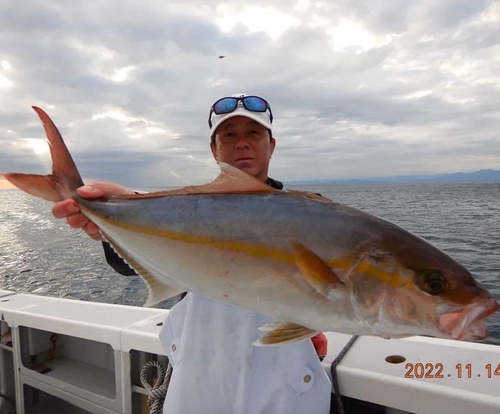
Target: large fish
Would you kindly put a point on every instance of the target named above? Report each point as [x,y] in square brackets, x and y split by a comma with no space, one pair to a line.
[311,263]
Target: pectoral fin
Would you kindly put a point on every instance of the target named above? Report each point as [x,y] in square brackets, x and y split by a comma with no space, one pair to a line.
[281,333]
[316,271]
[158,291]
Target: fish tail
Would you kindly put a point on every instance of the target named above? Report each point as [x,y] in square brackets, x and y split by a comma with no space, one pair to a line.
[65,178]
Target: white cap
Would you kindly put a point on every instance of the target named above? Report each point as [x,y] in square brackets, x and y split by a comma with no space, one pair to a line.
[262,118]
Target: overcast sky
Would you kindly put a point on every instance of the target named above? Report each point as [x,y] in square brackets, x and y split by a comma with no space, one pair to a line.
[357,88]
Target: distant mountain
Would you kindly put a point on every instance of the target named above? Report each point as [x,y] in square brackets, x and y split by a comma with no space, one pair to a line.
[459,177]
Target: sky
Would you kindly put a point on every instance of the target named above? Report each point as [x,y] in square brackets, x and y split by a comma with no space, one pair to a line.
[357,88]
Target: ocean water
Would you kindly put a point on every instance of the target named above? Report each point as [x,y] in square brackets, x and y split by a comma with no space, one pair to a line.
[44,256]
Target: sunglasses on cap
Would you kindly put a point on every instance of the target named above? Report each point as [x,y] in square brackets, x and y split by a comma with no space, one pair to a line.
[229,104]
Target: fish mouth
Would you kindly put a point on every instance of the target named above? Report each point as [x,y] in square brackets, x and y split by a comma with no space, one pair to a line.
[467,324]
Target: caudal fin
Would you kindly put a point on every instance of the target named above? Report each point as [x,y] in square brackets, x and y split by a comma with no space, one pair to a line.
[65,178]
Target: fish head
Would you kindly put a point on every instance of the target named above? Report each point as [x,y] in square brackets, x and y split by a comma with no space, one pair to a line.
[416,289]
[453,303]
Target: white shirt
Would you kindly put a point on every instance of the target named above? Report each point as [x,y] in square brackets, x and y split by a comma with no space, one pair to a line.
[216,369]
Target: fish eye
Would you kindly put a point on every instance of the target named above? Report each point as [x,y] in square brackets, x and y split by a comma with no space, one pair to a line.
[435,287]
[433,283]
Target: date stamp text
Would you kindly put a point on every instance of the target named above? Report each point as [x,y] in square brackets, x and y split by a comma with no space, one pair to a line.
[439,370]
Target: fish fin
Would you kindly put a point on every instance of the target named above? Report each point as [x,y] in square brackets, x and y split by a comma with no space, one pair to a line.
[281,333]
[158,290]
[42,186]
[307,194]
[231,180]
[65,178]
[316,272]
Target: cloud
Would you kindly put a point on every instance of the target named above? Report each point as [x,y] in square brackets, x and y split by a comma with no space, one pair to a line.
[357,88]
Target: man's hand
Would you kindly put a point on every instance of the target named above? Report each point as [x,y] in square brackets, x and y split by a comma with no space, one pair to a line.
[70,210]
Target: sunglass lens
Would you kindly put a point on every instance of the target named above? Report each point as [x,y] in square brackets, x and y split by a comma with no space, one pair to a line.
[254,103]
[225,105]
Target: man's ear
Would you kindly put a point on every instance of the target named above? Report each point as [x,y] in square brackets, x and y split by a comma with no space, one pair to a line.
[213,148]
[273,145]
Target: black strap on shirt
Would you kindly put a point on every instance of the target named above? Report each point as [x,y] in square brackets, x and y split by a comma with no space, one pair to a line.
[278,185]
[116,262]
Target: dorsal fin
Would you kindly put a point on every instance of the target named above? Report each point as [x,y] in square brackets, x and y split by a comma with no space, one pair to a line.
[231,180]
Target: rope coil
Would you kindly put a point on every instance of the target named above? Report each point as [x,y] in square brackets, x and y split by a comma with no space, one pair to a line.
[158,391]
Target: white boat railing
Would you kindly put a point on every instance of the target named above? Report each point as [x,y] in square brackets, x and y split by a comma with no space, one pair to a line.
[90,355]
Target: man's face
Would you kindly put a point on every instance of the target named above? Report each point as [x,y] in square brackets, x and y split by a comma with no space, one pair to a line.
[245,144]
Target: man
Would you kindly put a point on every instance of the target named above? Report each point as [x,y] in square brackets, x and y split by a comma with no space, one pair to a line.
[216,369]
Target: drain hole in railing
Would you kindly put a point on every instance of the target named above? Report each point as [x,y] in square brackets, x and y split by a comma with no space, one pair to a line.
[395,359]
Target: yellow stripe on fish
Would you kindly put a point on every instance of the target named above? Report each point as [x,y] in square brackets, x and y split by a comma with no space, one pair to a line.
[261,251]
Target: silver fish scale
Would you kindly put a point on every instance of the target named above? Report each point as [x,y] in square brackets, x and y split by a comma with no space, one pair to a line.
[246,217]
